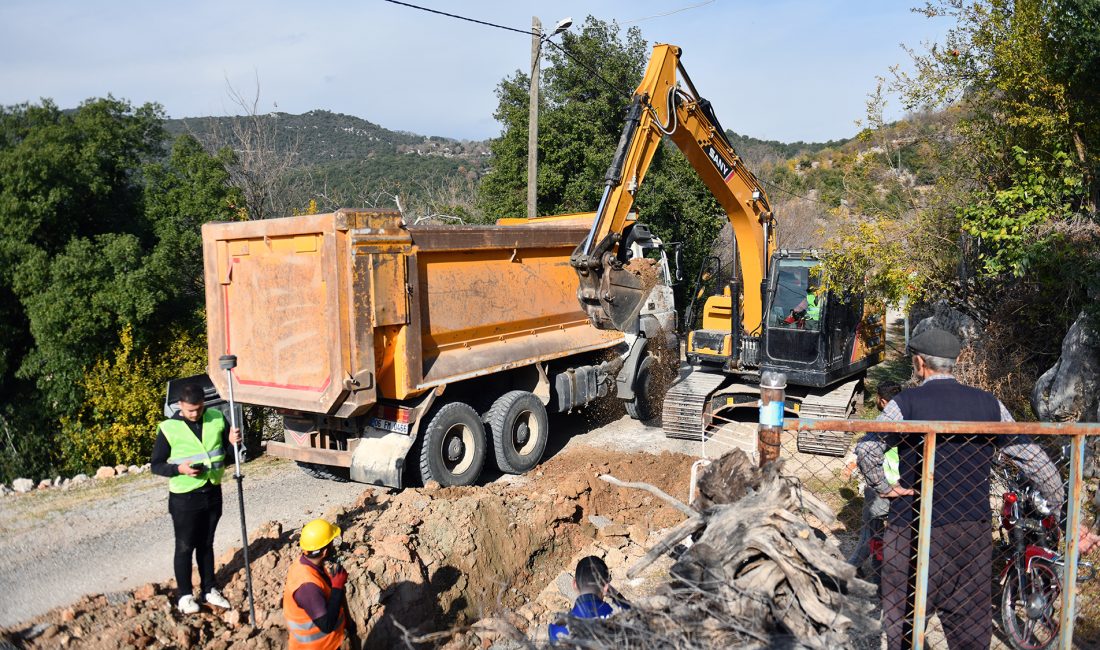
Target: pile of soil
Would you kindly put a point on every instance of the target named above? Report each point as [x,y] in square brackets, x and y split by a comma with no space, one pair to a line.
[646,271]
[421,559]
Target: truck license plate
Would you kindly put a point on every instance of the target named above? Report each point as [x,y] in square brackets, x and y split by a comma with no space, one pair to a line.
[390,425]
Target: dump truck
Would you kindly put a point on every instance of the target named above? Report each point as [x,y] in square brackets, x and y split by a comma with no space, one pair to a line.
[398,353]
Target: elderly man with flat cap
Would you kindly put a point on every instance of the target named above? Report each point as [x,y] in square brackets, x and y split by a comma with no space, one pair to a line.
[961,544]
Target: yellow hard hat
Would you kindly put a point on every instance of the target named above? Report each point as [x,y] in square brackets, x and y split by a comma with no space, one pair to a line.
[318,534]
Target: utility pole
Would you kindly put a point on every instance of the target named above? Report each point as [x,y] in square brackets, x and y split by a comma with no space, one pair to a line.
[533,119]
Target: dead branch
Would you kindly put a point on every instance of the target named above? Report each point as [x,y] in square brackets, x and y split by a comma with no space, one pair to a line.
[681,531]
[658,492]
[758,574]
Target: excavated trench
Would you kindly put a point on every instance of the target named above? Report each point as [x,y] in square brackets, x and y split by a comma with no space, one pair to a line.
[421,560]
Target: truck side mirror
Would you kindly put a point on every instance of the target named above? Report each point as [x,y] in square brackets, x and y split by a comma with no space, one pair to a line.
[677,254]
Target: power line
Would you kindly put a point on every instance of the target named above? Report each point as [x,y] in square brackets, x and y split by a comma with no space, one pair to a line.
[669,13]
[472,20]
[791,192]
[528,32]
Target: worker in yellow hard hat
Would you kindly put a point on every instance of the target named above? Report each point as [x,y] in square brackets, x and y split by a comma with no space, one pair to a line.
[313,600]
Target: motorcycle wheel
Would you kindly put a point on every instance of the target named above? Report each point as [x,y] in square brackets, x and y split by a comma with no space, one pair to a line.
[1031,616]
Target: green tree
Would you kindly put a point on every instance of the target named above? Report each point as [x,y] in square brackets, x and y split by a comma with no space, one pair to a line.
[123,391]
[190,189]
[99,235]
[1009,228]
[583,98]
[1014,157]
[1025,76]
[585,92]
[69,181]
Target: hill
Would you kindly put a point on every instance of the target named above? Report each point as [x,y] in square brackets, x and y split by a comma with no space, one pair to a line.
[757,152]
[340,160]
[321,137]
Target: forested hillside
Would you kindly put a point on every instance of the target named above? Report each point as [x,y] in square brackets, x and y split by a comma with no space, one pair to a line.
[320,137]
[336,160]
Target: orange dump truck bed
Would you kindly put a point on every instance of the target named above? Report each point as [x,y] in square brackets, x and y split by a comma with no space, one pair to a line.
[330,313]
[400,353]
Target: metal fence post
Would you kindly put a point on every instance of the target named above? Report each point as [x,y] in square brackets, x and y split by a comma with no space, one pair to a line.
[772,396]
[924,538]
[1073,523]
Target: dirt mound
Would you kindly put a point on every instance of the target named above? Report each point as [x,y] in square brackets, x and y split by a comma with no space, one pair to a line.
[423,559]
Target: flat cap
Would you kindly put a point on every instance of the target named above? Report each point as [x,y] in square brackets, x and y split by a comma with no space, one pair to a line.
[937,343]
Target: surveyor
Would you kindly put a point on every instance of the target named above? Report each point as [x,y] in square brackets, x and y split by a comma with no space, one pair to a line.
[190,450]
[313,599]
[592,580]
[961,544]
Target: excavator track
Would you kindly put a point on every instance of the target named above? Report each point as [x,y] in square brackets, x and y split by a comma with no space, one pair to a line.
[837,404]
[682,415]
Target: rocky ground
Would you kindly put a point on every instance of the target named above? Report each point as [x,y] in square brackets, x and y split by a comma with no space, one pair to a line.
[421,559]
[113,537]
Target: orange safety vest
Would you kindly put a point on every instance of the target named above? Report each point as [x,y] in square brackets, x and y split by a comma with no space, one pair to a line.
[304,634]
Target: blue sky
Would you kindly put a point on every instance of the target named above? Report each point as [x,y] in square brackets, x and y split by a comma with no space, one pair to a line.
[780,69]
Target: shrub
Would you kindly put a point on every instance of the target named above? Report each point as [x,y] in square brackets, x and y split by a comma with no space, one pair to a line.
[123,400]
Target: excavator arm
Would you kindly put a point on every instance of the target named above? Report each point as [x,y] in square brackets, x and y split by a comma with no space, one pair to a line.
[610,291]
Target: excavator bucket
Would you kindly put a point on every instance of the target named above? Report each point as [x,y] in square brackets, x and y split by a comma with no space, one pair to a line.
[610,291]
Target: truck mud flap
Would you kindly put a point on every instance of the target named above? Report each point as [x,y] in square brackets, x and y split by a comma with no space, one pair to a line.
[379,458]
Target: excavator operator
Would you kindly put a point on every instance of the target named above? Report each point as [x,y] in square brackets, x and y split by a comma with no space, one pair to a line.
[797,304]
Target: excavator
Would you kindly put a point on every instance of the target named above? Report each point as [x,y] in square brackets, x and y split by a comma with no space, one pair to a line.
[771,313]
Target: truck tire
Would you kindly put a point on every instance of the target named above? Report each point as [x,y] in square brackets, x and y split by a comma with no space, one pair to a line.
[325,472]
[519,429]
[452,446]
[646,405]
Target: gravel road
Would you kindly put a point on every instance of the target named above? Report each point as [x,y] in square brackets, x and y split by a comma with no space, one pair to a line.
[115,534]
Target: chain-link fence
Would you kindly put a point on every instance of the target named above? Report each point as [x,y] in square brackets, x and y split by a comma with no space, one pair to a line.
[969,529]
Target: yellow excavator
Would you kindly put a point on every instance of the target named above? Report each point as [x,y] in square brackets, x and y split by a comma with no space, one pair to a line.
[770,314]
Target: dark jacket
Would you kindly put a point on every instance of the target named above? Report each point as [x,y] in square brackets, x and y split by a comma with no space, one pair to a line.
[962,460]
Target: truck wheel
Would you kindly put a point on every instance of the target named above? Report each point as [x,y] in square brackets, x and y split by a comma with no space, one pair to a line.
[324,472]
[517,422]
[646,405]
[452,447]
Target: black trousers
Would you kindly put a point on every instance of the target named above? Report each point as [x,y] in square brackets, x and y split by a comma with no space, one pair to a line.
[960,573]
[195,518]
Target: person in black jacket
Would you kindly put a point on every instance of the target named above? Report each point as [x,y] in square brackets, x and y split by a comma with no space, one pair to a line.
[190,450]
[961,543]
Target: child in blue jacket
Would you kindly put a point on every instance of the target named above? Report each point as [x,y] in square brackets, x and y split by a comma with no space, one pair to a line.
[592,580]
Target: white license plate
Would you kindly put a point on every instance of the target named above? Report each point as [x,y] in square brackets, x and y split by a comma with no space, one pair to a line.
[389,425]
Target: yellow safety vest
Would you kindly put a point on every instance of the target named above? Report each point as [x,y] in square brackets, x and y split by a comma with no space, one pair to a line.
[813,310]
[187,448]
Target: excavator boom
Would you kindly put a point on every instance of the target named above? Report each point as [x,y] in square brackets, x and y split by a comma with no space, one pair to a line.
[610,293]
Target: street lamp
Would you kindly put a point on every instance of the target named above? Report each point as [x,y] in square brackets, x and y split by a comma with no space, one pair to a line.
[537,40]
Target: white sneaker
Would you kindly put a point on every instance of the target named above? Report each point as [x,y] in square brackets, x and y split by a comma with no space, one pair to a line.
[214,597]
[187,605]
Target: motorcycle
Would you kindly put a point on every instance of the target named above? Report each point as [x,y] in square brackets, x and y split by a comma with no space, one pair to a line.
[1031,580]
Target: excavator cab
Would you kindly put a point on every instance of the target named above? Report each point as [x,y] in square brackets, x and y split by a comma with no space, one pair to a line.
[798,299]
[816,337]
